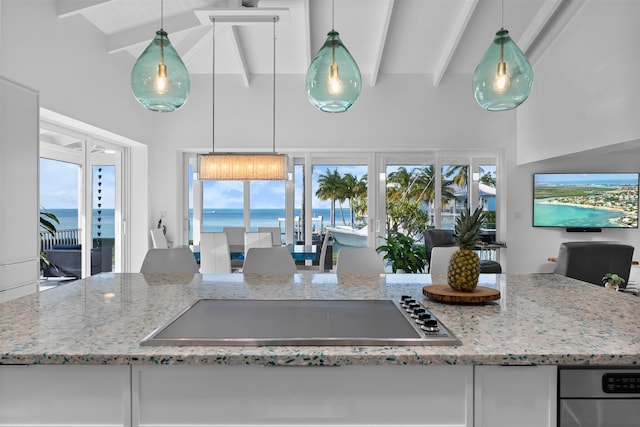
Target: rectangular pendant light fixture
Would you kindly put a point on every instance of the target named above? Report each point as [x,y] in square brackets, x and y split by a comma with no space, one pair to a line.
[242,166]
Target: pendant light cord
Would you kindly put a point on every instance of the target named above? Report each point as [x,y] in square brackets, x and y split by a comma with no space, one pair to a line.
[333,14]
[502,16]
[161,14]
[274,84]
[213,87]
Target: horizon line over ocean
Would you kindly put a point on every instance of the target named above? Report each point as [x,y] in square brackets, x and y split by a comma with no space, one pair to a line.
[213,220]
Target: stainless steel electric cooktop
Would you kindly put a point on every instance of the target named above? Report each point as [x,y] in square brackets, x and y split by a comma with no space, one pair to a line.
[303,322]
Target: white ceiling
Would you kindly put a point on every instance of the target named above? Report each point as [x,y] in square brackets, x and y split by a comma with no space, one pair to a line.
[434,37]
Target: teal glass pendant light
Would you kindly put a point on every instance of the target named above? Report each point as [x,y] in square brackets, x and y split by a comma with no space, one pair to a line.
[503,78]
[159,78]
[333,78]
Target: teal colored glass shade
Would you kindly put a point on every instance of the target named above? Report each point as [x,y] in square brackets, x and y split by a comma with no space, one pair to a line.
[333,78]
[503,78]
[159,79]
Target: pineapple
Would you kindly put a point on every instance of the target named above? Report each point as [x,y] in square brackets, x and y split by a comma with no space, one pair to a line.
[464,265]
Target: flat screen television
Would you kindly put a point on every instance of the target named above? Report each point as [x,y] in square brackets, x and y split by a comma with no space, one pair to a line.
[585,201]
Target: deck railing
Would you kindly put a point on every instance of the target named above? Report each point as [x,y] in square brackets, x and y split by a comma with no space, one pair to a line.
[68,236]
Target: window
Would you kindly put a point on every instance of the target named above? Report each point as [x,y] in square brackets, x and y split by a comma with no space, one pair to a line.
[414,191]
[222,204]
[410,199]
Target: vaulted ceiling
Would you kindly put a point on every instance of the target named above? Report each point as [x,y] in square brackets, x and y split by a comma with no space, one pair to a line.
[431,37]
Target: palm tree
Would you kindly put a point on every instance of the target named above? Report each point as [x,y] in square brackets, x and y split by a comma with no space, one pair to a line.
[399,183]
[351,189]
[487,178]
[359,200]
[460,174]
[329,189]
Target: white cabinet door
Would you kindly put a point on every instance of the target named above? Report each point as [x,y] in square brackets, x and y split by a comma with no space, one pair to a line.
[293,396]
[68,395]
[19,139]
[523,396]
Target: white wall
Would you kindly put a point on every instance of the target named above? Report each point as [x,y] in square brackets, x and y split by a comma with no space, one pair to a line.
[586,91]
[66,60]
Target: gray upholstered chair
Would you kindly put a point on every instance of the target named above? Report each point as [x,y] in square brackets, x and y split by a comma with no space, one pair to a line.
[436,237]
[590,261]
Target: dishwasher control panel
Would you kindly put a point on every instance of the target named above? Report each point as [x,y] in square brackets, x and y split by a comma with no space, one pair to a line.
[621,382]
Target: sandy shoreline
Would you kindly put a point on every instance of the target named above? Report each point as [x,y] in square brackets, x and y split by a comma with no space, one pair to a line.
[582,206]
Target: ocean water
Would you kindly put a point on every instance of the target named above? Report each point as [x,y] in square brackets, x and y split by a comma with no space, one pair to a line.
[550,215]
[214,219]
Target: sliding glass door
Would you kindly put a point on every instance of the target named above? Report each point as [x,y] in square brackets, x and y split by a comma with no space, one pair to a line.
[81,184]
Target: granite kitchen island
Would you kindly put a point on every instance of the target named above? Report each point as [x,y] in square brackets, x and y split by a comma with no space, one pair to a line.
[93,328]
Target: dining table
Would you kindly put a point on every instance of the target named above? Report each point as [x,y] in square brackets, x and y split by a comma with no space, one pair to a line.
[298,252]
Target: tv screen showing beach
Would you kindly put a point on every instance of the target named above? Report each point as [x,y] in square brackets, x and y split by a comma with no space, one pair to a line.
[588,200]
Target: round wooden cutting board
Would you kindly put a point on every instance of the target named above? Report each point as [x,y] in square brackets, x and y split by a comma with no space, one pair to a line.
[443,293]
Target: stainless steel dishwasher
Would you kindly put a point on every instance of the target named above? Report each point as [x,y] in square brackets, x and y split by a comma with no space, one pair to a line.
[598,397]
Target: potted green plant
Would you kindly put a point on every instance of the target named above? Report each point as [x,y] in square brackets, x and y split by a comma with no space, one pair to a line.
[48,223]
[612,281]
[403,253]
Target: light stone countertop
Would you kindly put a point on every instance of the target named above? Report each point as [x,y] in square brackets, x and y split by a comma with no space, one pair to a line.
[540,319]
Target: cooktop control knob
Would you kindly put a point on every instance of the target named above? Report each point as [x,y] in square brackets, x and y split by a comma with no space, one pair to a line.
[417,312]
[405,302]
[430,325]
[412,306]
[423,317]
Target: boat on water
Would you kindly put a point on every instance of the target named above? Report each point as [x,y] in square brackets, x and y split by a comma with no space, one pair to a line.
[348,236]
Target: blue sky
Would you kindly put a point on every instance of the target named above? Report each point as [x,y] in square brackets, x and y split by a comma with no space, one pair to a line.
[267,194]
[59,185]
[574,178]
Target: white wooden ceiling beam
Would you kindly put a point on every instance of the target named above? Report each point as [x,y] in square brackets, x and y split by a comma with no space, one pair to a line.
[240,56]
[194,43]
[452,44]
[66,8]
[144,34]
[554,17]
[538,23]
[377,60]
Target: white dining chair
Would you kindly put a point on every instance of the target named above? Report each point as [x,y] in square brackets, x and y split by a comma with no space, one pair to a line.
[214,253]
[439,262]
[256,239]
[169,260]
[276,234]
[323,252]
[158,238]
[235,238]
[270,260]
[359,261]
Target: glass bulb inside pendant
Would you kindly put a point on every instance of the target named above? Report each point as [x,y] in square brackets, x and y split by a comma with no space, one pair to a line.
[335,85]
[161,82]
[501,82]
